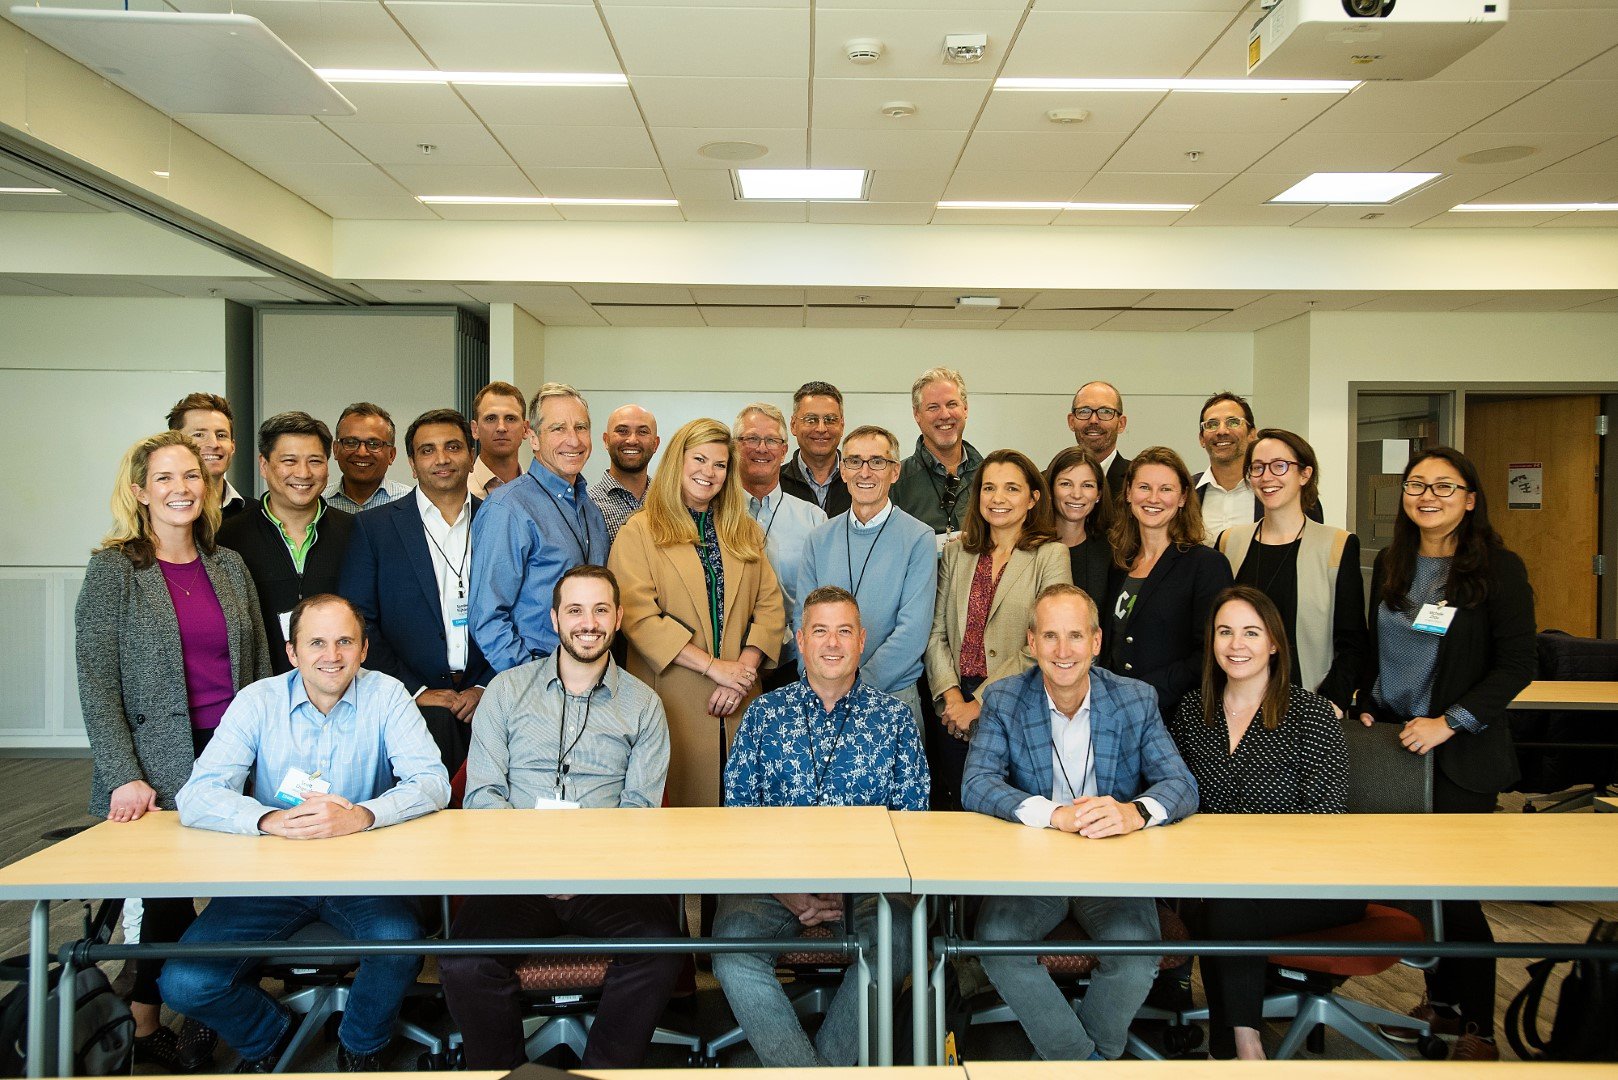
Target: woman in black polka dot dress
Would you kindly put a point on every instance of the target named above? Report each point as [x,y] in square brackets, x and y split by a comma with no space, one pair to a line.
[1257,746]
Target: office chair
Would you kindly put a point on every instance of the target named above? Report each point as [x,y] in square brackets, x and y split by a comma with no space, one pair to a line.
[816,977]
[1573,778]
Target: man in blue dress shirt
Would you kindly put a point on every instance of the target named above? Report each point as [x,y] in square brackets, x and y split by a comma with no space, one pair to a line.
[829,739]
[327,750]
[531,531]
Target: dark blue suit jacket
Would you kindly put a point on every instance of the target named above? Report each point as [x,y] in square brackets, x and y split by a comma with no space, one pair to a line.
[1010,757]
[388,574]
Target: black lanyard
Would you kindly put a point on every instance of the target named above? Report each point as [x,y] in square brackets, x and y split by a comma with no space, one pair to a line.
[818,766]
[1089,748]
[946,503]
[584,540]
[848,549]
[459,571]
[561,734]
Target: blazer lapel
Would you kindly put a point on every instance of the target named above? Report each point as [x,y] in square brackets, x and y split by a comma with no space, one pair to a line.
[687,565]
[1163,568]
[965,564]
[1104,736]
[1019,565]
[735,570]
[413,535]
[1036,733]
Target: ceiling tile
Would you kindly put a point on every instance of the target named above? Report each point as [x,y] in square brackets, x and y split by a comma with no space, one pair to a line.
[1157,320]
[1586,220]
[402,103]
[951,316]
[201,288]
[1559,187]
[1551,149]
[315,179]
[578,148]
[415,292]
[1162,152]
[47,204]
[752,316]
[863,318]
[1012,110]
[1059,299]
[462,180]
[1561,106]
[651,316]
[554,106]
[300,141]
[738,295]
[906,186]
[1546,300]
[993,217]
[1227,57]
[96,285]
[587,317]
[703,185]
[1119,219]
[1604,66]
[1010,300]
[784,147]
[885,149]
[724,103]
[327,33]
[508,37]
[1236,113]
[915,323]
[648,295]
[941,104]
[1601,305]
[1539,44]
[17,286]
[731,210]
[1432,300]
[1419,106]
[1056,320]
[1489,221]
[532,297]
[1065,151]
[1108,186]
[1007,185]
[530,212]
[1113,44]
[601,183]
[1603,157]
[1346,151]
[913,41]
[1201,298]
[1226,215]
[400,144]
[373,207]
[857,296]
[707,41]
[620,213]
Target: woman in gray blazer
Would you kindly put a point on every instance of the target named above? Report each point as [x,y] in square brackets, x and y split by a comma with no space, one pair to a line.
[168,630]
[987,581]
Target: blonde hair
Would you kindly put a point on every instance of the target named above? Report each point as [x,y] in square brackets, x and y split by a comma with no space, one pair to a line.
[764,409]
[667,518]
[131,530]
[932,375]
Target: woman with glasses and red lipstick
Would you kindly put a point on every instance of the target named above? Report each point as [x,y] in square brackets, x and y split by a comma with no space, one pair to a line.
[1310,571]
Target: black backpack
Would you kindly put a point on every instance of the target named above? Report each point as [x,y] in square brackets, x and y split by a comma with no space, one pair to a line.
[103,1029]
[1586,1024]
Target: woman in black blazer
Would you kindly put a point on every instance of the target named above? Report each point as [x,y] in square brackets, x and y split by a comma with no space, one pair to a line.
[1452,643]
[1081,505]
[1163,580]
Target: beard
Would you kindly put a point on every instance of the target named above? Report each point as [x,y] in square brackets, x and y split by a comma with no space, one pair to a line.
[629,467]
[584,657]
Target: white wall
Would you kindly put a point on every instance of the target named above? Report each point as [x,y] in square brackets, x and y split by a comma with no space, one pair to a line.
[1281,375]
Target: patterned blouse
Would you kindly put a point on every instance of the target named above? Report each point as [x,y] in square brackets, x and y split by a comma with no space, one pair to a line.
[713,569]
[1301,767]
[985,580]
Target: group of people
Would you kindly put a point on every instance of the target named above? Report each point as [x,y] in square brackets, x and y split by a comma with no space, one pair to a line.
[1106,645]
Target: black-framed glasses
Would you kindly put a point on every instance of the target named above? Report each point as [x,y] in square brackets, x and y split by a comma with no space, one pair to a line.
[1443,489]
[1106,412]
[1276,468]
[877,464]
[351,444]
[754,442]
[1232,423]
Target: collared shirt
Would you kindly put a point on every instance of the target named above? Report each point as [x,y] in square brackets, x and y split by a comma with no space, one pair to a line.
[790,751]
[373,748]
[926,492]
[299,551]
[615,502]
[526,536]
[1106,462]
[1224,507]
[787,523]
[450,547]
[230,498]
[385,492]
[483,480]
[532,739]
[1073,764]
[1404,681]
[820,489]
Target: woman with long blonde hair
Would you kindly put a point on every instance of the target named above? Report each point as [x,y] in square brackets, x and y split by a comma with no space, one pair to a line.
[702,606]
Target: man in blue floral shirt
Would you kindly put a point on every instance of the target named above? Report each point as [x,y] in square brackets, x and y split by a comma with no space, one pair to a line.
[827,740]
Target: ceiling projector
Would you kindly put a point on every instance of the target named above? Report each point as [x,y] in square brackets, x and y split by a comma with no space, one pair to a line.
[1368,39]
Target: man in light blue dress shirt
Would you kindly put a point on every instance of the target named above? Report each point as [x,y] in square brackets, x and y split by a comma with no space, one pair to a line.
[533,530]
[327,750]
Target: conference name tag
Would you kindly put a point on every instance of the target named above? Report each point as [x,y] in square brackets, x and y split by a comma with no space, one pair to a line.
[298,786]
[286,625]
[458,613]
[945,537]
[543,803]
[1434,618]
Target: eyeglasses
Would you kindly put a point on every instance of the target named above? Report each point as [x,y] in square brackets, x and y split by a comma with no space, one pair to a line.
[1234,423]
[877,464]
[829,420]
[350,443]
[754,442]
[1443,489]
[1277,468]
[1084,412]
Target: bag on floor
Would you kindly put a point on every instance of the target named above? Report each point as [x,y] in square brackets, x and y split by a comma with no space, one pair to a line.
[103,1028]
[1585,1027]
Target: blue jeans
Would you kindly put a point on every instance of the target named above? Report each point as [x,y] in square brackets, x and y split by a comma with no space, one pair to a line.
[225,995]
[1118,986]
[761,1005]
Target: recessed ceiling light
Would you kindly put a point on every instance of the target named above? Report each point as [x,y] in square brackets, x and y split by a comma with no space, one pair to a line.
[733,151]
[472,78]
[1536,208]
[1354,189]
[1189,86]
[162,174]
[1006,204]
[1496,155]
[29,191]
[536,200]
[842,185]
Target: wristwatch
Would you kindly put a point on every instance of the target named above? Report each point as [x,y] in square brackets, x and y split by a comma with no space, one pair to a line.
[1145,814]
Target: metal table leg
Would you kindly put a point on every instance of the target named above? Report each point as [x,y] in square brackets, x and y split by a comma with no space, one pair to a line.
[884,980]
[39,929]
[918,981]
[865,1009]
[67,1006]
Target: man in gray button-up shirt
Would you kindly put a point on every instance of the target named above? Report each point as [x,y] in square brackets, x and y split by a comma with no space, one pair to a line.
[566,731]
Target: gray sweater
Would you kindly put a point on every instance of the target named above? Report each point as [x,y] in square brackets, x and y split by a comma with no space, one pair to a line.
[132,671]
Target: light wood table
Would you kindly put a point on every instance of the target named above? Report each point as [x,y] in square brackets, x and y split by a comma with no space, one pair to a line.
[1293,1070]
[1606,804]
[482,852]
[1569,694]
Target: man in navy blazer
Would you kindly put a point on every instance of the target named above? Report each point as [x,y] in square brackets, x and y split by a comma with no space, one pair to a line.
[1072,747]
[408,571]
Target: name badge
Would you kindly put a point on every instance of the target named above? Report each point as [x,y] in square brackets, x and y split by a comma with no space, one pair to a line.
[458,612]
[1434,618]
[542,803]
[943,538]
[286,625]
[298,786]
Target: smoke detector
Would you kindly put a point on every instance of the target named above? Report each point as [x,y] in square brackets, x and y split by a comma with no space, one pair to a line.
[1068,116]
[965,48]
[863,50]
[898,110]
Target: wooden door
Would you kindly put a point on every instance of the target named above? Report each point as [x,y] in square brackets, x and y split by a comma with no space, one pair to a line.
[1559,539]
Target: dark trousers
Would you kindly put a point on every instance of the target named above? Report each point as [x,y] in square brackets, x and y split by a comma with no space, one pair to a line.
[1464,982]
[946,755]
[483,992]
[1235,984]
[163,920]
[454,737]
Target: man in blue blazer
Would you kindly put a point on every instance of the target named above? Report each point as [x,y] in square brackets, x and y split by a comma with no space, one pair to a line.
[1071,747]
[408,571]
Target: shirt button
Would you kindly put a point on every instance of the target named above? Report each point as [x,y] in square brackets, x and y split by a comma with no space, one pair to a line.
[1129,667]
[993,653]
[1129,641]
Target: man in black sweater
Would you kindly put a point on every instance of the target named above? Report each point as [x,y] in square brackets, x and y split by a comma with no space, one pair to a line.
[292,542]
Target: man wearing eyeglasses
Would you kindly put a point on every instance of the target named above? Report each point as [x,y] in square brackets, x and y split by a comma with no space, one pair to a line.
[1096,420]
[364,449]
[886,560]
[760,431]
[817,424]
[1225,431]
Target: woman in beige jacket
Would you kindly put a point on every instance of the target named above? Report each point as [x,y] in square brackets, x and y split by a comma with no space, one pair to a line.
[702,607]
[987,582]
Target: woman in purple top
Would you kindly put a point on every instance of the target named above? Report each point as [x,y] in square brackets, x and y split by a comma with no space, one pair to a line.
[168,630]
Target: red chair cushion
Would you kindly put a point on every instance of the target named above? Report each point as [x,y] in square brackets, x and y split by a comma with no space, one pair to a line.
[1080,965]
[1380,924]
[809,958]
[559,974]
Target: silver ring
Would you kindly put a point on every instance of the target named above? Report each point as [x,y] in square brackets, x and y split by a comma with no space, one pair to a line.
[1415,746]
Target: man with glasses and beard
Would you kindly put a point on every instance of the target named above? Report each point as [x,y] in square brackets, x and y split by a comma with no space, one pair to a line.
[566,731]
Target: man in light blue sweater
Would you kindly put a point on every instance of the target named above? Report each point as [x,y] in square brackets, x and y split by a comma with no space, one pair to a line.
[887,559]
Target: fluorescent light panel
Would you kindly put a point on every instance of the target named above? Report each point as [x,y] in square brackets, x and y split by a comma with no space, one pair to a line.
[798,185]
[1188,86]
[29,191]
[1354,189]
[535,200]
[1535,208]
[472,78]
[1007,204]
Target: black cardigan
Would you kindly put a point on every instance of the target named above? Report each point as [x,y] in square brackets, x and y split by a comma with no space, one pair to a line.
[1164,641]
[257,539]
[1484,661]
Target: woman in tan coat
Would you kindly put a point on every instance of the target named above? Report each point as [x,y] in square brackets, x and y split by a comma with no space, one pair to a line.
[691,568]
[987,581]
